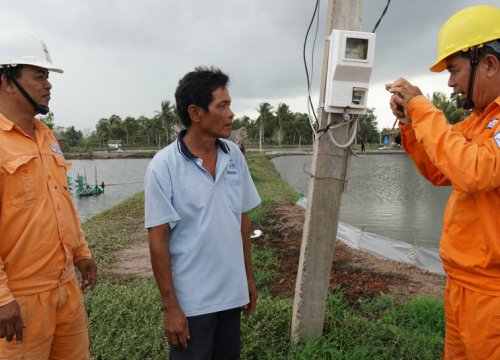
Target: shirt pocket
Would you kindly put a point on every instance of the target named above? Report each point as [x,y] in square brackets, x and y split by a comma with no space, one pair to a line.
[24,185]
[62,167]
[234,194]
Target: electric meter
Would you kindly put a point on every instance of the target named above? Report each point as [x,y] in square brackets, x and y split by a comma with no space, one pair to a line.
[350,65]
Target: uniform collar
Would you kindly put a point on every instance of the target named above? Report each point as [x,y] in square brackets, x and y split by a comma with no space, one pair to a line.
[183,149]
[7,125]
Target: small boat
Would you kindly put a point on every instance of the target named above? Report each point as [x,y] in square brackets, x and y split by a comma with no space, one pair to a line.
[84,189]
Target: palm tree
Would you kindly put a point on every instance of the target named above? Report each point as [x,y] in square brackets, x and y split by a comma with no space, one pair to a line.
[451,107]
[264,119]
[302,131]
[146,126]
[158,127]
[102,131]
[130,126]
[115,127]
[168,115]
[284,120]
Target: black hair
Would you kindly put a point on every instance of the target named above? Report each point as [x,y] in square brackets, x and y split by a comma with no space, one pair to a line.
[14,71]
[492,48]
[196,88]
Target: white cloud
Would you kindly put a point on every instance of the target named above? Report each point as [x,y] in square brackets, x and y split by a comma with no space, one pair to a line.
[125,57]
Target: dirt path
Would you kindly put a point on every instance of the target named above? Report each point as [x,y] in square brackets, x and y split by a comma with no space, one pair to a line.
[355,272]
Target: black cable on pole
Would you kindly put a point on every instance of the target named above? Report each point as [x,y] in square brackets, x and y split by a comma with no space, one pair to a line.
[304,57]
[381,16]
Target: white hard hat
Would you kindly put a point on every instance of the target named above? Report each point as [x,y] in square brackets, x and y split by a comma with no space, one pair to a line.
[22,47]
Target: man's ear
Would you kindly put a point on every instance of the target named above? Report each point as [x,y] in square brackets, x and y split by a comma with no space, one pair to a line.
[6,83]
[194,113]
[492,63]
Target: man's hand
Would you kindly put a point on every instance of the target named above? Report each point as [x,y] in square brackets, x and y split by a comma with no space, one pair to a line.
[253,295]
[176,327]
[88,269]
[402,92]
[10,322]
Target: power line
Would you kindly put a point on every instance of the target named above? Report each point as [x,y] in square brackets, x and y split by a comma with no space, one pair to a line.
[381,16]
[309,80]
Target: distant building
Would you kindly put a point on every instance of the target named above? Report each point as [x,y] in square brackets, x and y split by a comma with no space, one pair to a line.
[114,145]
[391,138]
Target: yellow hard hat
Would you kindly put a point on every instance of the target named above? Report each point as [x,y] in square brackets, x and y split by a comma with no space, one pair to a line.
[469,27]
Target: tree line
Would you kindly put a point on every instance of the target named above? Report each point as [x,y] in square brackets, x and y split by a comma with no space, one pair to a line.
[274,125]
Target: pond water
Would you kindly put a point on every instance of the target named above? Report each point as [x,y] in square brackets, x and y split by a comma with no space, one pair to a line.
[122,178]
[385,196]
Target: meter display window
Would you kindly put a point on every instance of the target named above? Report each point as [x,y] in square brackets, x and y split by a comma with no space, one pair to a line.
[356,48]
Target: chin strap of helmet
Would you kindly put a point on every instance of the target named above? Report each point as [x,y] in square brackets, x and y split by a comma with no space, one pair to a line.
[468,104]
[39,108]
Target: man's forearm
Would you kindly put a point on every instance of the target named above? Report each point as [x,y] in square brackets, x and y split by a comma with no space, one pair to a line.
[247,246]
[160,263]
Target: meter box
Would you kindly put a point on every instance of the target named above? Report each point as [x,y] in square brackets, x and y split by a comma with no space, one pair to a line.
[350,65]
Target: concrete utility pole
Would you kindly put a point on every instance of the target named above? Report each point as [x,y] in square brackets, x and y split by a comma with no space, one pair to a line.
[329,168]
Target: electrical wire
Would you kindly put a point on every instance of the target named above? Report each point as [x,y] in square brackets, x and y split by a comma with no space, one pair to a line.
[310,105]
[381,16]
[352,134]
[313,120]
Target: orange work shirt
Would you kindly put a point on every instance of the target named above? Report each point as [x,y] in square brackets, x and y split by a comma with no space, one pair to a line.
[465,156]
[40,233]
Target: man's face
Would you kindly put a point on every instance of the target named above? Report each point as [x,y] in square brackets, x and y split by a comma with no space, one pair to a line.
[458,67]
[218,119]
[35,81]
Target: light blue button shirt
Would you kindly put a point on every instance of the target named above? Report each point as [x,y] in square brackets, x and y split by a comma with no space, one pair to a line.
[204,216]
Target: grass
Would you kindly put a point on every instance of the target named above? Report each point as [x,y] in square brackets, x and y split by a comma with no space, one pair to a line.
[126,320]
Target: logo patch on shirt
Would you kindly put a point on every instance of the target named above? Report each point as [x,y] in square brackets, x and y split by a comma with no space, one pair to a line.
[497,138]
[492,123]
[231,170]
[55,149]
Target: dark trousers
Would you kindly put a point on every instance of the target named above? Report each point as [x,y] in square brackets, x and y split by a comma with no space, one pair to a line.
[214,336]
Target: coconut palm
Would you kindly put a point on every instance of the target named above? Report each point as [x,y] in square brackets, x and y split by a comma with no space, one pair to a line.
[168,115]
[130,126]
[264,120]
[284,120]
[451,107]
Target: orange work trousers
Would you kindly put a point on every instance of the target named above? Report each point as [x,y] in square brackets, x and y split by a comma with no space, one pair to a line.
[472,324]
[55,326]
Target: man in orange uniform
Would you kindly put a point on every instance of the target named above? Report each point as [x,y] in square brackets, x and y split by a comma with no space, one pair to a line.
[465,156]
[41,241]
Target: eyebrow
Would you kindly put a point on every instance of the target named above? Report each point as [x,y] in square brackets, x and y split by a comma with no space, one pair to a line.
[224,102]
[41,70]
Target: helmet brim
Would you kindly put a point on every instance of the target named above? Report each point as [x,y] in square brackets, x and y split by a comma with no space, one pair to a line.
[438,66]
[49,67]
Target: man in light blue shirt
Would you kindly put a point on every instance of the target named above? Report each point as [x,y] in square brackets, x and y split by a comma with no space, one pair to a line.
[198,191]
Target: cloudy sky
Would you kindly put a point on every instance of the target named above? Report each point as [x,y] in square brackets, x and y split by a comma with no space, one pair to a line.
[125,57]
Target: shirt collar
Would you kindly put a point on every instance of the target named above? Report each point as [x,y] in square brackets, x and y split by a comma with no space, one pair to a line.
[7,125]
[183,149]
